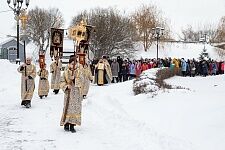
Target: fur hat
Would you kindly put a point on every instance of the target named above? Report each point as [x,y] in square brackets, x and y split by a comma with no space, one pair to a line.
[72,58]
[104,57]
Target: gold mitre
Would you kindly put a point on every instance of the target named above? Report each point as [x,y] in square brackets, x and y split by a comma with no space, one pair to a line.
[78,32]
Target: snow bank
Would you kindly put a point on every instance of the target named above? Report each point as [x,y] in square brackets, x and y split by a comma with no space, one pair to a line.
[146,82]
[9,77]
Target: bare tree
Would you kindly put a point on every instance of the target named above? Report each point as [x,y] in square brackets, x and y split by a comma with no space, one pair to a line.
[76,19]
[191,35]
[220,37]
[40,21]
[114,32]
[211,31]
[145,18]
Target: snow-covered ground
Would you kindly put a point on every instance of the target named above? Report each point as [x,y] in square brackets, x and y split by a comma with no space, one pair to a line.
[114,119]
[177,50]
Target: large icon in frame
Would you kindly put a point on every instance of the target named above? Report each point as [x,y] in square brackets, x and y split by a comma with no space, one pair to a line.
[56,47]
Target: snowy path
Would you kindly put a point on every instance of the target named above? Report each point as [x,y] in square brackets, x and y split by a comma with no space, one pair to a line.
[112,119]
[106,125]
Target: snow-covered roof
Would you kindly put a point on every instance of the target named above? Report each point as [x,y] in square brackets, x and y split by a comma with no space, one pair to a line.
[6,40]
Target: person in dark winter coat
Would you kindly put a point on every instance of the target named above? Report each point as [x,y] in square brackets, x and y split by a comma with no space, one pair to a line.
[204,68]
[124,72]
[188,70]
[214,68]
[120,61]
[183,67]
[222,68]
[192,68]
[115,71]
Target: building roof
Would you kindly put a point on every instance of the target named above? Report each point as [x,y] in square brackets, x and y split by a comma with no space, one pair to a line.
[7,39]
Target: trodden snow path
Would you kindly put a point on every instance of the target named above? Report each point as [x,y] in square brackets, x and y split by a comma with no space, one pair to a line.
[112,118]
[105,125]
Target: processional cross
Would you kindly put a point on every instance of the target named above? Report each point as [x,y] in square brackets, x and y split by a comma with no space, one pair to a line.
[23,18]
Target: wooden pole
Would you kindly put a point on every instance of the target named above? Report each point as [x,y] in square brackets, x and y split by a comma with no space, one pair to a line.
[25,68]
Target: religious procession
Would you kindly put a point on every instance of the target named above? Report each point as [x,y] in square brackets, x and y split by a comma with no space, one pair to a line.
[117,75]
[74,79]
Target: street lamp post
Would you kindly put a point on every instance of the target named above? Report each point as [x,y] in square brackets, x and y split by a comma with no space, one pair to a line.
[16,6]
[157,32]
[204,40]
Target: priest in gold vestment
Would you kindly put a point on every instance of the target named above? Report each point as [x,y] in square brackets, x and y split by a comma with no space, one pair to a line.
[88,78]
[28,72]
[103,72]
[43,87]
[55,69]
[71,84]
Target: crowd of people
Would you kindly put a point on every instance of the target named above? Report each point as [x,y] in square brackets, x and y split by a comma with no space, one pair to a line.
[126,69]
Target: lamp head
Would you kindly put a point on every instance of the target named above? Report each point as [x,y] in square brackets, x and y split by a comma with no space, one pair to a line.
[8,1]
[162,31]
[27,2]
[14,3]
[159,30]
[20,1]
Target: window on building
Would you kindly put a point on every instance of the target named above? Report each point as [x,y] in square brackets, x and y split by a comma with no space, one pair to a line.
[12,53]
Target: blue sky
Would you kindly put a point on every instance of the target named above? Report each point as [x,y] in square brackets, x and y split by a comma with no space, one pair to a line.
[178,12]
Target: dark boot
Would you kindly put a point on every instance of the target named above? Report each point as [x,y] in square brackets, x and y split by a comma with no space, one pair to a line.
[41,96]
[66,127]
[72,128]
[56,91]
[28,105]
[84,96]
[24,103]
[46,95]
